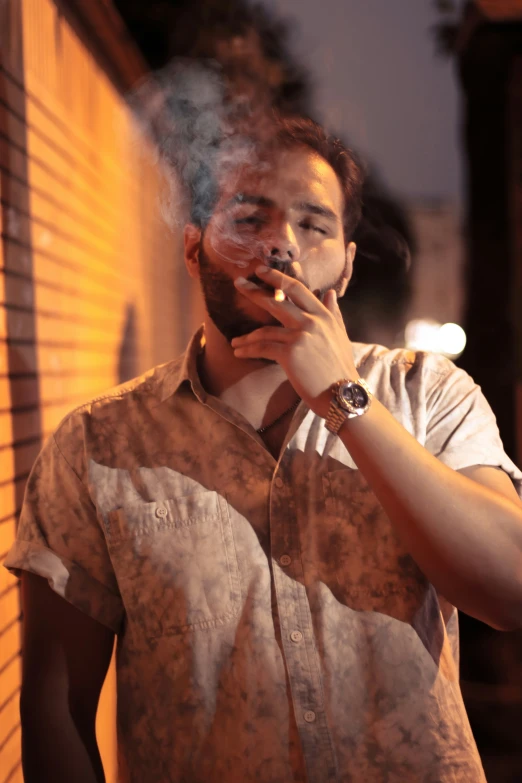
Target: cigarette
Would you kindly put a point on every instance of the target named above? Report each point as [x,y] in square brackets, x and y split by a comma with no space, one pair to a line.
[279,295]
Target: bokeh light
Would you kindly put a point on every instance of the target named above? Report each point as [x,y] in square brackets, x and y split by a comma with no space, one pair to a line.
[426,334]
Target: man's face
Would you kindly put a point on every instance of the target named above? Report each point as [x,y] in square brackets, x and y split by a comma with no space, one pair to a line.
[287,213]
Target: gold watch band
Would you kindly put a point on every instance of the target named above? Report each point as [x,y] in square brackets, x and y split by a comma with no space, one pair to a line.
[335,418]
[337,415]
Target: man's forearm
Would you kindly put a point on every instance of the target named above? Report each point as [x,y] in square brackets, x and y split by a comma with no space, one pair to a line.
[466,538]
[56,750]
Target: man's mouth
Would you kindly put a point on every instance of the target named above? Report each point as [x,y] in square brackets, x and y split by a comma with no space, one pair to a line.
[277,293]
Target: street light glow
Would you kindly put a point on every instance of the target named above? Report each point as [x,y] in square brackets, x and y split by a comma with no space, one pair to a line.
[426,334]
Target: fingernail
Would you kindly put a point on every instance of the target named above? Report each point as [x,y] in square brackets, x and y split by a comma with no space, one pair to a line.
[242,282]
[260,270]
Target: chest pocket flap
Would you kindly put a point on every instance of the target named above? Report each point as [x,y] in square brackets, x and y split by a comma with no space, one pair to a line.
[176,564]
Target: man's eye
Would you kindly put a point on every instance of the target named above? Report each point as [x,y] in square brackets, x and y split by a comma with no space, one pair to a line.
[310,227]
[250,220]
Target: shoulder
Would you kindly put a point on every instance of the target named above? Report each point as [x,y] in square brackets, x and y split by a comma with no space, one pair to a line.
[146,389]
[415,385]
[379,360]
[119,409]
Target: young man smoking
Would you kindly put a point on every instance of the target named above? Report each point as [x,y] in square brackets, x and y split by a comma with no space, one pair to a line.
[277,526]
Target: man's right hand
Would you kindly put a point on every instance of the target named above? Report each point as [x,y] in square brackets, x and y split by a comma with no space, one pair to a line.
[66,655]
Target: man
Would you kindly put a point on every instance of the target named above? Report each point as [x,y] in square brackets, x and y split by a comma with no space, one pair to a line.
[282,591]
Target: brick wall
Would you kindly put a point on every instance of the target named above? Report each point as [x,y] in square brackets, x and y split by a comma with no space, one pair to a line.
[92,289]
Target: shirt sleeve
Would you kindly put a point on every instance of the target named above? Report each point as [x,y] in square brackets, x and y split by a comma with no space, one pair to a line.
[60,538]
[461,427]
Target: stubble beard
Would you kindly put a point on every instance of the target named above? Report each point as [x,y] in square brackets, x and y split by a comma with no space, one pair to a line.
[221,298]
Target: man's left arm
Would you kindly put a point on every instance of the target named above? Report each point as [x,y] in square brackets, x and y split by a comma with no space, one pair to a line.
[463,528]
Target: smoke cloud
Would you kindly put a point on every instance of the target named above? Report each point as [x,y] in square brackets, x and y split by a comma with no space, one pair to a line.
[205,135]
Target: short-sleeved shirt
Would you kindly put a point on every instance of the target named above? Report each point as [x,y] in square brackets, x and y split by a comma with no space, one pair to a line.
[271,625]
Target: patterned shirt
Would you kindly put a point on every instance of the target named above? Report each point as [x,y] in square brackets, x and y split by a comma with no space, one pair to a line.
[271,625]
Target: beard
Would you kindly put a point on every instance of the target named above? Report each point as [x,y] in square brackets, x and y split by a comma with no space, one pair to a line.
[222,300]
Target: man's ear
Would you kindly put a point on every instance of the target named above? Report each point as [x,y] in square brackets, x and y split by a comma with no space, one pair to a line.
[191,243]
[351,250]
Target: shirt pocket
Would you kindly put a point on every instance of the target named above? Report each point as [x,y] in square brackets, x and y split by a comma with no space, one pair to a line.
[373,571]
[176,564]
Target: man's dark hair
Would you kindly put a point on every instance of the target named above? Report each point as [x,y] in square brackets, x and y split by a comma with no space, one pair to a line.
[288,133]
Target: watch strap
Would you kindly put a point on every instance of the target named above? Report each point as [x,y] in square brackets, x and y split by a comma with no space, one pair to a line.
[337,415]
[335,418]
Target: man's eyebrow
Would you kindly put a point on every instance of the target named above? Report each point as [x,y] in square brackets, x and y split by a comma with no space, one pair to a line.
[250,198]
[316,209]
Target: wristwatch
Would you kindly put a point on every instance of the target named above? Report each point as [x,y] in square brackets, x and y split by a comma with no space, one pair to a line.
[349,399]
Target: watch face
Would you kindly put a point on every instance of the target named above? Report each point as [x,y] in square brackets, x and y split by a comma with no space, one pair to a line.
[353,395]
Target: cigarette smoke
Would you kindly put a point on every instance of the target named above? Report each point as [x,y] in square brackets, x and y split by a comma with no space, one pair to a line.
[205,135]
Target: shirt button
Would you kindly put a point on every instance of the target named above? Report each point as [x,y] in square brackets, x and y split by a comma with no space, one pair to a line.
[309,716]
[285,560]
[161,512]
[296,636]
[279,482]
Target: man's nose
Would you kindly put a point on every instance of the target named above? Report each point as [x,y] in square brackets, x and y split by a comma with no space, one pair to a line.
[282,248]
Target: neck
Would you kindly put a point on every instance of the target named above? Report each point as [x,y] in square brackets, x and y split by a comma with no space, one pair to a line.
[252,387]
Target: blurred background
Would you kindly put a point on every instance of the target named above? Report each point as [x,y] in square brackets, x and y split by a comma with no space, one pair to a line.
[93,289]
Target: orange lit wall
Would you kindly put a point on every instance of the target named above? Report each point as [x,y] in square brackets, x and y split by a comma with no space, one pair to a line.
[91,284]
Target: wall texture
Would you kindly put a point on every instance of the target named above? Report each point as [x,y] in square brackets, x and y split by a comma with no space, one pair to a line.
[92,290]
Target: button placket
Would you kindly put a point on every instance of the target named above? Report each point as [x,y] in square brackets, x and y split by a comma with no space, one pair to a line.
[294,612]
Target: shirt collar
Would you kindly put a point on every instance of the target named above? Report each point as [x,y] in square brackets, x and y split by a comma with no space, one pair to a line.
[185,368]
